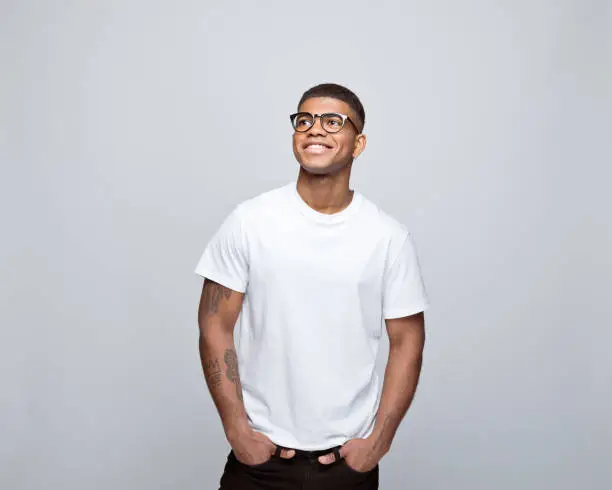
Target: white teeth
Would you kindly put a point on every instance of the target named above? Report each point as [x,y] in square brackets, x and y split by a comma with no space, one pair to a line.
[316,149]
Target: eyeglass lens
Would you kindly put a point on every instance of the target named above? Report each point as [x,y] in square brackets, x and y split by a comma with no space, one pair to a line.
[332,123]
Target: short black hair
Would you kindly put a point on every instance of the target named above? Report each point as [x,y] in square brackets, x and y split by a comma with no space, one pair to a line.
[335,91]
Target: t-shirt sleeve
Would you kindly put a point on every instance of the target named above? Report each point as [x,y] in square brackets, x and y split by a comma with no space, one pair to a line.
[404,292]
[225,257]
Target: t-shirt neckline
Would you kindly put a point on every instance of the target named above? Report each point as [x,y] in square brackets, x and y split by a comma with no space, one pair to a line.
[325,218]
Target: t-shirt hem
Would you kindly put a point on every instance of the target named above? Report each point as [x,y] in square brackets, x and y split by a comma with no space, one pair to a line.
[222,279]
[402,312]
[308,447]
[286,440]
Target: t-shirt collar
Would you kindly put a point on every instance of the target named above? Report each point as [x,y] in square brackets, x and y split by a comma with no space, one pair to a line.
[324,218]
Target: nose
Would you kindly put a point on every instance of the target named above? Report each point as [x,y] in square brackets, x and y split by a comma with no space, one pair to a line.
[317,128]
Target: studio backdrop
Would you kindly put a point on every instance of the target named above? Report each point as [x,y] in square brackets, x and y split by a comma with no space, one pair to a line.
[130,129]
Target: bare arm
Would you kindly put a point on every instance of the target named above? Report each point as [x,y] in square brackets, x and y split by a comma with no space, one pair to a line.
[406,342]
[217,314]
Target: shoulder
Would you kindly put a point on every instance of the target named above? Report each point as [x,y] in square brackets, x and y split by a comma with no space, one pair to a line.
[382,222]
[389,232]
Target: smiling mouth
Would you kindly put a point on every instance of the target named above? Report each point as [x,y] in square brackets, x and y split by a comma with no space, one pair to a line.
[316,148]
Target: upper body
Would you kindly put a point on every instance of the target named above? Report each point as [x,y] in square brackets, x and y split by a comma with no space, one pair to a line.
[317,289]
[317,269]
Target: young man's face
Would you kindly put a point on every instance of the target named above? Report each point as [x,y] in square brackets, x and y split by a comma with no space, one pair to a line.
[320,152]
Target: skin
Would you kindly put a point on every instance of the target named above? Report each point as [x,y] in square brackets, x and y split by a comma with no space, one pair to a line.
[323,183]
[323,180]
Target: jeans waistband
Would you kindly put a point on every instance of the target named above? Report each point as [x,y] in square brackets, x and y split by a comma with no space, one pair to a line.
[308,454]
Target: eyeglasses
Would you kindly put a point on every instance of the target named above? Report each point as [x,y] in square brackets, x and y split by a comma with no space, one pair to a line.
[331,122]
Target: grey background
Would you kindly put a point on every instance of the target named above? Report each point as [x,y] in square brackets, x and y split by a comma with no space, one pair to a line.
[123,146]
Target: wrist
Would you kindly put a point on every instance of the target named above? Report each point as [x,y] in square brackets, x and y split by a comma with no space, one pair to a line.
[236,431]
[381,438]
[380,444]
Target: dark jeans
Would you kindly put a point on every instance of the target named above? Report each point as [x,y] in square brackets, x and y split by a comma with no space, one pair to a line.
[303,472]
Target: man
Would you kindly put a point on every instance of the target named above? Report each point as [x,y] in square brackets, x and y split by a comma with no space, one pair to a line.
[308,272]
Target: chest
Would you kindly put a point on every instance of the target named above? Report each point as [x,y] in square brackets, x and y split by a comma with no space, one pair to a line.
[322,260]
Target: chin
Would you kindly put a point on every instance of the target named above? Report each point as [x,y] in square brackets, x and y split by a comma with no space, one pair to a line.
[320,168]
[316,171]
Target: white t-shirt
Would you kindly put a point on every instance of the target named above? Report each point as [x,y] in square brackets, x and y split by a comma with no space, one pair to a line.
[318,287]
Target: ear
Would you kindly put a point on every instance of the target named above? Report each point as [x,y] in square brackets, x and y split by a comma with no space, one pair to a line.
[360,144]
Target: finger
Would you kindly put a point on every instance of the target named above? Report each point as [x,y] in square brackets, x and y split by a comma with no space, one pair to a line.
[287,453]
[336,454]
[327,458]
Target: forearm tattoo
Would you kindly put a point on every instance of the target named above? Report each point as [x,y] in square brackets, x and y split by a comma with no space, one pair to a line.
[212,372]
[231,361]
[213,292]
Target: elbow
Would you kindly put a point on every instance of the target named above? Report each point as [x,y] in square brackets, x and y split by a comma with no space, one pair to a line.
[211,330]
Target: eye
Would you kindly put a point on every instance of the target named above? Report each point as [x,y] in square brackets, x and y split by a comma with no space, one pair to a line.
[333,121]
[302,122]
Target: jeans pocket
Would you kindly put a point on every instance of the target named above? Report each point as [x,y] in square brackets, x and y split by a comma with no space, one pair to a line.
[350,468]
[252,466]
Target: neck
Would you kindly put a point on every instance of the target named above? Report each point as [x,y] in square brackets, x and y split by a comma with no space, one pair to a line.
[325,193]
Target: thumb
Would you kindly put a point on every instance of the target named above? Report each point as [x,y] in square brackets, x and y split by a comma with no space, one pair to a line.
[287,453]
[331,457]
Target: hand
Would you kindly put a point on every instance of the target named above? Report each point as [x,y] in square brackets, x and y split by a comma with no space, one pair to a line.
[359,454]
[253,448]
